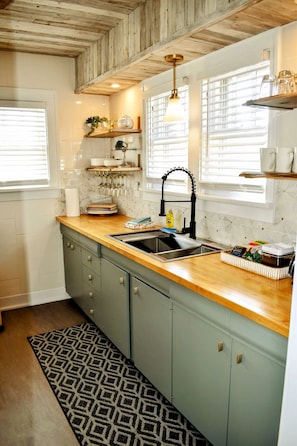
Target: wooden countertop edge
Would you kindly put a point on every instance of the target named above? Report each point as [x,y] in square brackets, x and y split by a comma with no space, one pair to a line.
[170,270]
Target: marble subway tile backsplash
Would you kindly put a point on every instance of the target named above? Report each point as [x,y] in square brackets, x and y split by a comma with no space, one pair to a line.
[221,228]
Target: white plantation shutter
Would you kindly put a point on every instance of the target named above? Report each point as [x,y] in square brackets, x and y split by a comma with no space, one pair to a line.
[167,143]
[23,144]
[232,134]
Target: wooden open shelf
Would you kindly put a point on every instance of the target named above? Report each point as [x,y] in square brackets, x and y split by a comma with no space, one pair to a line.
[112,133]
[272,175]
[115,169]
[277,102]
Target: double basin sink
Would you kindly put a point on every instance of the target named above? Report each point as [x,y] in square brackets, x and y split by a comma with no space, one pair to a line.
[167,246]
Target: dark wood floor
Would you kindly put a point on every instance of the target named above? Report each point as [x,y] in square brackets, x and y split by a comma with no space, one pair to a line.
[29,412]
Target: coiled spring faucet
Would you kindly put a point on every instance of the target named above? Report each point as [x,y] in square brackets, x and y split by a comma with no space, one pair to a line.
[191,230]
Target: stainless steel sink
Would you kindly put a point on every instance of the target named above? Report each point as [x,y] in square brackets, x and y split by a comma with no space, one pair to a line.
[166,247]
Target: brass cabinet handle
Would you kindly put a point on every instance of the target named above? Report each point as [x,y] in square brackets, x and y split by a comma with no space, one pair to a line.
[220,346]
[68,244]
[72,247]
[91,311]
[90,277]
[89,258]
[122,281]
[135,290]
[91,294]
[239,358]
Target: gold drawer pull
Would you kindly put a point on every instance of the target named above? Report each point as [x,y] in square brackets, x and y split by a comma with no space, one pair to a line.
[91,311]
[89,258]
[239,358]
[90,277]
[122,281]
[135,290]
[220,346]
[90,294]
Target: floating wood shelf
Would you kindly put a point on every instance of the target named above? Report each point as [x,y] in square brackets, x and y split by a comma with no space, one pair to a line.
[272,175]
[277,102]
[118,169]
[113,133]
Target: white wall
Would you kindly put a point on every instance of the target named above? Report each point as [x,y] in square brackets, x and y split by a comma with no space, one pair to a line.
[31,261]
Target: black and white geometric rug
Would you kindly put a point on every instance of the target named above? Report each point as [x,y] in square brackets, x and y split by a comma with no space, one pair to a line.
[105,399]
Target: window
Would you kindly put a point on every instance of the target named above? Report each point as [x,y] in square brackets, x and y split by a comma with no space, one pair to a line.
[232,135]
[23,144]
[28,158]
[167,143]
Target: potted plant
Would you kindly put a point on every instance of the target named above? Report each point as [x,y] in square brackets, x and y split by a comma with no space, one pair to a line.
[94,121]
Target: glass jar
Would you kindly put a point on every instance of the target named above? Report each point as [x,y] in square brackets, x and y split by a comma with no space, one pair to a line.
[286,82]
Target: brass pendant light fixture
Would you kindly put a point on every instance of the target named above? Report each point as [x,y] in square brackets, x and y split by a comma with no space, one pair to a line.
[174,112]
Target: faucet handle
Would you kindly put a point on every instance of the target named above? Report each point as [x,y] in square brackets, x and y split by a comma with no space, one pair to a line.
[162,208]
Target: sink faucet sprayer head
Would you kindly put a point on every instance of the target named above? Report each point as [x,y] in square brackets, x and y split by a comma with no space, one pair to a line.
[183,169]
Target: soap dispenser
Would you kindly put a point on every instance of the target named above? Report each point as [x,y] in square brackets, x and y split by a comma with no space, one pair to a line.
[169,219]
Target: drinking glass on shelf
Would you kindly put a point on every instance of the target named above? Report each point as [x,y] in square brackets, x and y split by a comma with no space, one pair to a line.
[268,86]
[286,82]
[295,83]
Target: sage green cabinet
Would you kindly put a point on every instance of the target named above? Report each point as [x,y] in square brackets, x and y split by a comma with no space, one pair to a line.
[256,388]
[201,370]
[82,271]
[228,372]
[114,305]
[73,269]
[90,301]
[151,334]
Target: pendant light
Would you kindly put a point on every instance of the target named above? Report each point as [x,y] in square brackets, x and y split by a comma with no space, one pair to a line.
[174,112]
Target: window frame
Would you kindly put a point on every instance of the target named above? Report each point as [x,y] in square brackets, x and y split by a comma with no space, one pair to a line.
[236,188]
[21,95]
[177,183]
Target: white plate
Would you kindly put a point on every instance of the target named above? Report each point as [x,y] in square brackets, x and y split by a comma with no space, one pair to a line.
[101,212]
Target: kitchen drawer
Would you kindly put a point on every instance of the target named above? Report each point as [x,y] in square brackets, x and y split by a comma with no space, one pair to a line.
[90,260]
[87,302]
[90,278]
[89,244]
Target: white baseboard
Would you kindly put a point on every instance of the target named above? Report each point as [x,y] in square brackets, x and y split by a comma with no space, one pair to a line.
[31,299]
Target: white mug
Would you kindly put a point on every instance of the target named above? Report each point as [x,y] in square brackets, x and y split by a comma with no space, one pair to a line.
[267,158]
[294,165]
[284,159]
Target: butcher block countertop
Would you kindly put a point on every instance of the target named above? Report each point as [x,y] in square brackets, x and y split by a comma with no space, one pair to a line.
[264,301]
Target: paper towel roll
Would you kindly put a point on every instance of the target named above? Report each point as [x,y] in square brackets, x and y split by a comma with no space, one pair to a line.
[72,203]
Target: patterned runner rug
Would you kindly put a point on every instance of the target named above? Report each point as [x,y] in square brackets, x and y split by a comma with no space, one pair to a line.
[105,399]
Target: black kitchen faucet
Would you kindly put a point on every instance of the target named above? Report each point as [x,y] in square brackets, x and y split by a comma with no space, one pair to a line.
[191,230]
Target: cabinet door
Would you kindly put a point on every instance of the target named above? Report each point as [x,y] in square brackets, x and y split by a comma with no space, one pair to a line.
[73,269]
[115,320]
[201,373]
[255,398]
[151,334]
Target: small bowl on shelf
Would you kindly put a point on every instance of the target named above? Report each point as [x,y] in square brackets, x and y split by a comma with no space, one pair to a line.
[111,162]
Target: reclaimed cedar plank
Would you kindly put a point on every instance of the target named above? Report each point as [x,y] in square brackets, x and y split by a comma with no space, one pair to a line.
[134,33]
[237,25]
